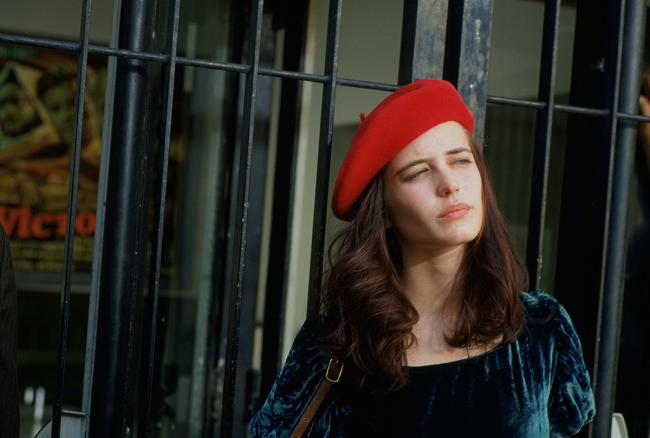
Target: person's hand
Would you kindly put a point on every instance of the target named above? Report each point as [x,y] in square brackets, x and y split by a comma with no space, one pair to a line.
[644,127]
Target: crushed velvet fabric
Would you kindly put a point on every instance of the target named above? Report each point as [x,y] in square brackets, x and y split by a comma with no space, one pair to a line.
[535,386]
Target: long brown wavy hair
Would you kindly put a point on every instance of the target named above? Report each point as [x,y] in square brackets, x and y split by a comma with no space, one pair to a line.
[373,318]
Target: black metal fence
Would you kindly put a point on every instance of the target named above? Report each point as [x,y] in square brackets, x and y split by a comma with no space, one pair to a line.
[439,39]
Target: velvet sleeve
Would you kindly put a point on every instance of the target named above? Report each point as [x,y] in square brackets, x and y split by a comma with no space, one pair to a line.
[292,391]
[571,400]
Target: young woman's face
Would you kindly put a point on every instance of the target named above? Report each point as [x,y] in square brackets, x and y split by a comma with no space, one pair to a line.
[434,172]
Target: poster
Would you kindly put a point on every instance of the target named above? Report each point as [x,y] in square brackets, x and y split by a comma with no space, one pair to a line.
[37,94]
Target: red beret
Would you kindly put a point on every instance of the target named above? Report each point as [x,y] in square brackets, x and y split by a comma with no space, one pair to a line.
[399,119]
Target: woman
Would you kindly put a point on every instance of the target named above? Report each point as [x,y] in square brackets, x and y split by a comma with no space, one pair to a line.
[426,303]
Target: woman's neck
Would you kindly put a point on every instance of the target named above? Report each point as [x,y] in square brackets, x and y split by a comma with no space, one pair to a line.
[427,282]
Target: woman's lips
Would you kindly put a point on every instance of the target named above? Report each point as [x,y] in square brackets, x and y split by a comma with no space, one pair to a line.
[456,214]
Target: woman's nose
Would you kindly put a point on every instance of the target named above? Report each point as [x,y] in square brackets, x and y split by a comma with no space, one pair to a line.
[447,185]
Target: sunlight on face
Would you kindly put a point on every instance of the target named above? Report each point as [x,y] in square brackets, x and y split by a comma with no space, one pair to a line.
[434,172]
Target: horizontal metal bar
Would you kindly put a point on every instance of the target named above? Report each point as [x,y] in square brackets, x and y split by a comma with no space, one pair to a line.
[500,100]
[365,84]
[48,43]
[40,42]
[323,79]
[310,77]
[123,53]
[237,68]
[164,58]
[632,117]
[180,60]
[95,49]
[569,109]
[293,75]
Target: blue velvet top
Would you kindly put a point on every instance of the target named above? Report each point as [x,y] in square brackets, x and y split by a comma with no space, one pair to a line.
[535,386]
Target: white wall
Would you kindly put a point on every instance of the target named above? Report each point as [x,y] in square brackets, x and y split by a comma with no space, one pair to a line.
[56,18]
[516,48]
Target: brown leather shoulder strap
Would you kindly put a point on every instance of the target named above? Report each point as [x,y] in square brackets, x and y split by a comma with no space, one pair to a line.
[332,375]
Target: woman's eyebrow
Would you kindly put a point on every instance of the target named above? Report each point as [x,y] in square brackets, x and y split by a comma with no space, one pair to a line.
[424,160]
[411,163]
[457,151]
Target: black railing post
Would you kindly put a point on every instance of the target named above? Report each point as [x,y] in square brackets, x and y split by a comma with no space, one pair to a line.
[582,223]
[241,206]
[622,158]
[324,157]
[147,426]
[121,273]
[424,28]
[280,239]
[467,53]
[57,405]
[542,152]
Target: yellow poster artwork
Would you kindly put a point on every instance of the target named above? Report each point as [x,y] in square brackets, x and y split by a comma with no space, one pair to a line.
[37,113]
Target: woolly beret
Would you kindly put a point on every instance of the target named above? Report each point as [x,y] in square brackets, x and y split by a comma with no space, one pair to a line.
[395,122]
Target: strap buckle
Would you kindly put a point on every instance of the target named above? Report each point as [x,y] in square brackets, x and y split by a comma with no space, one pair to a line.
[329,367]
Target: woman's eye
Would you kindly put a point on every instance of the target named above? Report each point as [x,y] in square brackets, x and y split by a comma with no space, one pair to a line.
[464,161]
[416,174]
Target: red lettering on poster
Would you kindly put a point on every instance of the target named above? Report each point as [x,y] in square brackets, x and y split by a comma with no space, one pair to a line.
[85,223]
[39,229]
[23,223]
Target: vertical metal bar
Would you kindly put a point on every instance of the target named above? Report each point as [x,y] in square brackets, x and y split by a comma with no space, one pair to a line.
[581,237]
[244,175]
[246,376]
[80,94]
[280,239]
[113,407]
[159,214]
[542,151]
[631,38]
[324,157]
[100,213]
[610,297]
[469,30]
[424,28]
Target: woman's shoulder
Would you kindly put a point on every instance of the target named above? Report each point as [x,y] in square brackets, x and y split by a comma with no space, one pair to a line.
[549,319]
[540,305]
[546,316]
[538,298]
[571,400]
[295,386]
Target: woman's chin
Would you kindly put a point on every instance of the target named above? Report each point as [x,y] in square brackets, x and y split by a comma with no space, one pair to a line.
[457,239]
